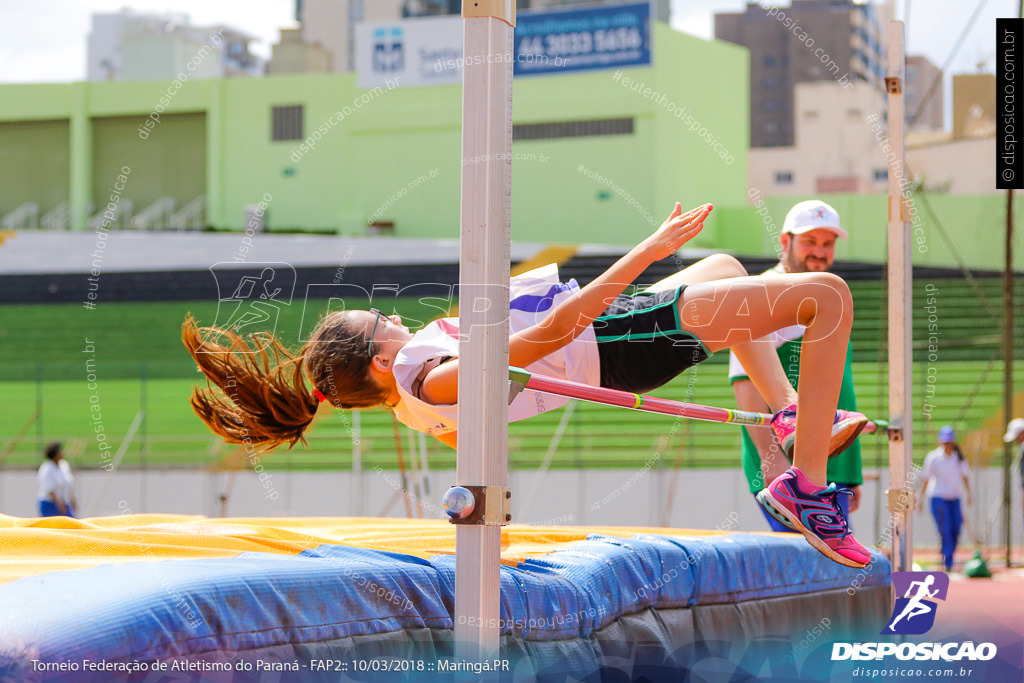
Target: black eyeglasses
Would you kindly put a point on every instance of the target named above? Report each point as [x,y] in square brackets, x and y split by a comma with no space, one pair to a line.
[369,344]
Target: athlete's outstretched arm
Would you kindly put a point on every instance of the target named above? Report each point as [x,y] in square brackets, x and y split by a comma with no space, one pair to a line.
[572,316]
[568,320]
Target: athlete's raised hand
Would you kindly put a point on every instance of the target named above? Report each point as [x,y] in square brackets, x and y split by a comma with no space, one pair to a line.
[678,229]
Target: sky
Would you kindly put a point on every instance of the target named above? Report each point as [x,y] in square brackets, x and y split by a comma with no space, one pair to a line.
[45,40]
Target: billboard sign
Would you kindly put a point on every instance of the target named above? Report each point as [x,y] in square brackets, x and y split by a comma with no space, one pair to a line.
[606,37]
[428,50]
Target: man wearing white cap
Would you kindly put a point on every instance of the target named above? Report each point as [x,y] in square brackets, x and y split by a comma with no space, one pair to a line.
[808,242]
[1015,431]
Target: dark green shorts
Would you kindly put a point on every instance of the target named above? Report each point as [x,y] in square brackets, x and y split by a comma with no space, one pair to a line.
[641,343]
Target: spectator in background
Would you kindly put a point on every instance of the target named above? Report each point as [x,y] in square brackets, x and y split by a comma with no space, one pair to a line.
[55,480]
[1015,433]
[808,245]
[947,468]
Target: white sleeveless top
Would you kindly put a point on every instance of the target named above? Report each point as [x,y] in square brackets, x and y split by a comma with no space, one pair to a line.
[532,296]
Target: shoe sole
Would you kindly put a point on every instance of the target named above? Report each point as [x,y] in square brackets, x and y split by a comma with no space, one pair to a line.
[838,442]
[771,511]
[786,517]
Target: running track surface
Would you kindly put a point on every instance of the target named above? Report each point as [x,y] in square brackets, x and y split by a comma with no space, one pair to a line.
[987,604]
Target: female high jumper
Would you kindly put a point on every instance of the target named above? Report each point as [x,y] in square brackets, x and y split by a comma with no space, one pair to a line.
[596,335]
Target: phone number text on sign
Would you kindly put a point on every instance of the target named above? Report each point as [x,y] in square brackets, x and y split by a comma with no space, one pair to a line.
[564,44]
[574,40]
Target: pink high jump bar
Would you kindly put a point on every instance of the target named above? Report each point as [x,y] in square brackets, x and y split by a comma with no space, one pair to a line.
[523,379]
[625,399]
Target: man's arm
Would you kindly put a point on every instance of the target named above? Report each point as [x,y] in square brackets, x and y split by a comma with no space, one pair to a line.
[773,463]
[925,478]
[855,498]
[58,502]
[48,476]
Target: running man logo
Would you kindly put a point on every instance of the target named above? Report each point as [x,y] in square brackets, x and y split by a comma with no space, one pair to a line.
[250,299]
[388,50]
[914,613]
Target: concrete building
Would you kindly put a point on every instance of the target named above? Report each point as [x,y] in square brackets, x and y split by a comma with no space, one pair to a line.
[834,150]
[292,55]
[131,46]
[923,95]
[331,24]
[974,106]
[840,134]
[812,40]
[961,161]
[103,58]
[958,167]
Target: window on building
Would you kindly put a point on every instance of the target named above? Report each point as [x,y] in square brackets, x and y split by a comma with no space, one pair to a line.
[768,60]
[770,105]
[783,177]
[572,129]
[811,114]
[881,175]
[854,114]
[286,123]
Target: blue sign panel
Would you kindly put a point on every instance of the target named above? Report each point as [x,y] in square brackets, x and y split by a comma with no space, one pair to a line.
[608,37]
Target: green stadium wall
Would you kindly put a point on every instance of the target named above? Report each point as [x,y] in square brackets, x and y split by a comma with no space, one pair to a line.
[396,154]
[396,157]
[946,229]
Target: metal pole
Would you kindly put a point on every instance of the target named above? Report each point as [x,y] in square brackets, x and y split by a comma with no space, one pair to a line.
[143,438]
[482,458]
[900,501]
[1008,365]
[357,463]
[1008,353]
[39,407]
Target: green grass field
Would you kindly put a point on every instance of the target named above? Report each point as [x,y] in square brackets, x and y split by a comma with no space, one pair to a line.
[140,365]
[597,436]
[130,339]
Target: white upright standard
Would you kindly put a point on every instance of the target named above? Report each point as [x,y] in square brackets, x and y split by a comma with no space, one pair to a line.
[482,458]
[901,312]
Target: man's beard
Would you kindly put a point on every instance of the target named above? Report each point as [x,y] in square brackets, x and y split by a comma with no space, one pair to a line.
[796,266]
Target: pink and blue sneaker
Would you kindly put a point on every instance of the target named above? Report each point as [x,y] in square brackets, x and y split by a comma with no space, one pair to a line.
[846,427]
[813,511]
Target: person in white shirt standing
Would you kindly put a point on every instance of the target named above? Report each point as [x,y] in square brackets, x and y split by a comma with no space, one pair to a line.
[1015,434]
[946,470]
[55,496]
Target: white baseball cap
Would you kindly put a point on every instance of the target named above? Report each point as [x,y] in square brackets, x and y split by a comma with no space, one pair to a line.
[1014,429]
[811,215]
